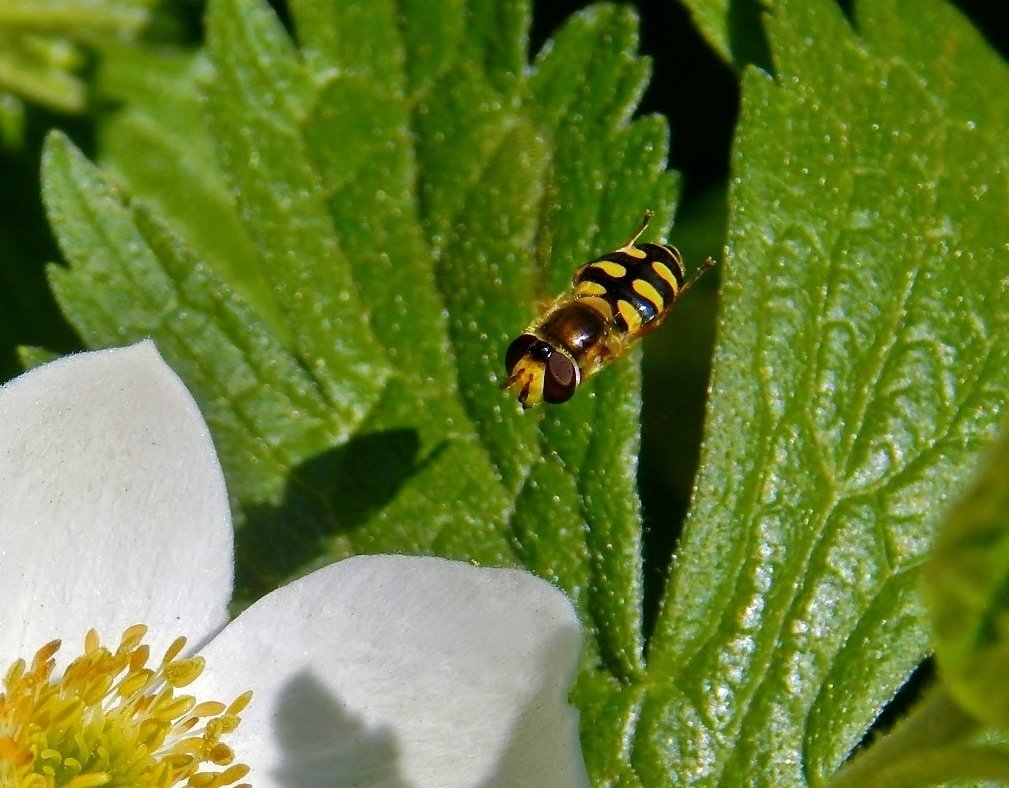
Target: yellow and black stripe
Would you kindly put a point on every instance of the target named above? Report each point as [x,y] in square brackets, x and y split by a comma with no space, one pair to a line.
[639,284]
[613,300]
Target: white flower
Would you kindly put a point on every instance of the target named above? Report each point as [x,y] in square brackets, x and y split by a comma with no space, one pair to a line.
[376,671]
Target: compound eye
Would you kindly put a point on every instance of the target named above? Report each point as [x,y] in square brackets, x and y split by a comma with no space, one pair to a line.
[561,379]
[517,351]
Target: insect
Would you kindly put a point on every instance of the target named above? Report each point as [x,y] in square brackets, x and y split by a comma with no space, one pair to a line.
[612,301]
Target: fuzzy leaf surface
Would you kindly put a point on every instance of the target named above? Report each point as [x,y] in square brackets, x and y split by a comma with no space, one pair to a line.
[338,287]
[860,369]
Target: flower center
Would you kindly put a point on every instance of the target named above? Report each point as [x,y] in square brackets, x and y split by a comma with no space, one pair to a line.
[112,721]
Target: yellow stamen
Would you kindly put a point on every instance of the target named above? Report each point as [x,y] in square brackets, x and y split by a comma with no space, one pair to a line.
[112,721]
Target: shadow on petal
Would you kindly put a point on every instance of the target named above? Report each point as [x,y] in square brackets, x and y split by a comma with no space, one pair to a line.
[326,745]
[543,747]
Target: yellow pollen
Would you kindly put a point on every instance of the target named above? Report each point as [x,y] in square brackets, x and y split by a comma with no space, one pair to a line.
[112,721]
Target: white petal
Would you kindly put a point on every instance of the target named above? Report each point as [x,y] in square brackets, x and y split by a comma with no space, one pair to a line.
[395,671]
[113,509]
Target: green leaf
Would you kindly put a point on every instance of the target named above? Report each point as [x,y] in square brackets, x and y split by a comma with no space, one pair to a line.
[958,731]
[91,18]
[733,28]
[965,585]
[129,279]
[392,195]
[12,121]
[861,367]
[28,312]
[155,143]
[937,743]
[405,188]
[40,44]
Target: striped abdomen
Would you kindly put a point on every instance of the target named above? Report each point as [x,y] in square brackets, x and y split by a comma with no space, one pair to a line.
[634,286]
